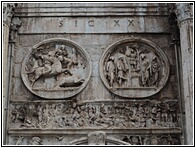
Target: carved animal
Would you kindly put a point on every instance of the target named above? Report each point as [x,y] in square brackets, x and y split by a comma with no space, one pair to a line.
[40,71]
[51,68]
[71,81]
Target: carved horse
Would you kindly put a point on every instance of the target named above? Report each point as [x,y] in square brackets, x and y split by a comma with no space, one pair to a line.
[55,69]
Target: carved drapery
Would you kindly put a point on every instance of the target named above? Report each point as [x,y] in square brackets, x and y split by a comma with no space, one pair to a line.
[71,115]
[134,68]
[138,118]
[49,71]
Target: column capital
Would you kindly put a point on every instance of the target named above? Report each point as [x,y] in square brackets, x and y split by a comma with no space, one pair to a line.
[184,12]
[173,22]
[14,26]
[8,11]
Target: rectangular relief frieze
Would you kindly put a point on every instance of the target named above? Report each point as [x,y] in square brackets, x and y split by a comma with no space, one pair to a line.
[150,114]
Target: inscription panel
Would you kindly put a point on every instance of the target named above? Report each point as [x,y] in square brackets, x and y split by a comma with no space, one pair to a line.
[93,25]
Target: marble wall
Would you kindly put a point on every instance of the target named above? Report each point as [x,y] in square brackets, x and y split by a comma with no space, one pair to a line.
[96,73]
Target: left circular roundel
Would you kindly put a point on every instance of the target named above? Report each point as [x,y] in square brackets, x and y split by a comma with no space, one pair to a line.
[56,69]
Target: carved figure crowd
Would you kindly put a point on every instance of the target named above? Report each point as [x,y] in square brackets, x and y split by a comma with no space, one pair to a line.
[127,64]
[147,114]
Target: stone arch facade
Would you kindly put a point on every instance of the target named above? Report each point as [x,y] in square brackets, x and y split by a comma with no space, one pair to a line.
[135,67]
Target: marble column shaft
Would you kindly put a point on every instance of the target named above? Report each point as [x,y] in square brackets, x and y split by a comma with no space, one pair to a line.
[185,24]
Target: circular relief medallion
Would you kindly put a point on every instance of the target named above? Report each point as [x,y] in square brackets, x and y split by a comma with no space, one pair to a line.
[134,68]
[56,69]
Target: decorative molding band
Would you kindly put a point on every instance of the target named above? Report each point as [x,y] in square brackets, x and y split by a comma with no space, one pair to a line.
[90,10]
[185,20]
[96,138]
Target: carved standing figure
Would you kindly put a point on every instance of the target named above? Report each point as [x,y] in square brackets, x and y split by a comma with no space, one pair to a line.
[133,57]
[121,69]
[110,69]
[91,115]
[144,69]
[45,116]
[154,71]
[40,114]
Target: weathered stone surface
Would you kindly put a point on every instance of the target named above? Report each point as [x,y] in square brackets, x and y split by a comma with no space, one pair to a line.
[134,68]
[56,69]
[184,14]
[94,113]
[97,138]
[97,89]
[19,55]
[93,25]
[111,139]
[90,9]
[19,88]
[17,70]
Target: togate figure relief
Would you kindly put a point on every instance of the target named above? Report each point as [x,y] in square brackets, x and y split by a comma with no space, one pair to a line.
[56,69]
[134,68]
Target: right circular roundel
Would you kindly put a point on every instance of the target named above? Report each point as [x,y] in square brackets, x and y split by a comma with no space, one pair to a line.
[134,68]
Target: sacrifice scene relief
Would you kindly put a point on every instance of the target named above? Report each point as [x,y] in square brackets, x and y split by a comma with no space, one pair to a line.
[131,66]
[134,69]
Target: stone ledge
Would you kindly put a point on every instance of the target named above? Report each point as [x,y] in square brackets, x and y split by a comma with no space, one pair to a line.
[86,130]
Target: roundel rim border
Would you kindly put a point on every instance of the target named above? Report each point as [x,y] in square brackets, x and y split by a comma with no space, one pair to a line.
[81,50]
[155,47]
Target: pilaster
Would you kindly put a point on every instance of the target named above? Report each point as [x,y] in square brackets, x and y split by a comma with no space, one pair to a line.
[8,23]
[185,23]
